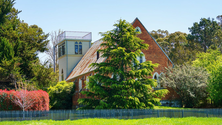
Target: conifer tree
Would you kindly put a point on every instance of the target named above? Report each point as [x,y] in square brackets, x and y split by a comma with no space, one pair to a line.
[121,82]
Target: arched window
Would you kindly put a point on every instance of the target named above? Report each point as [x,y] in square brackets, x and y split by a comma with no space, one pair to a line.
[80,84]
[138,30]
[62,76]
[156,76]
[78,47]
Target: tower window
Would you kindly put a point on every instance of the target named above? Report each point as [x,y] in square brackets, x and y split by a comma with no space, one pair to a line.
[62,49]
[78,47]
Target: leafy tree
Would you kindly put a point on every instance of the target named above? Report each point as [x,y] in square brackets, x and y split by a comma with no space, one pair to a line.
[203,32]
[20,45]
[219,17]
[61,95]
[215,87]
[159,33]
[189,82]
[43,75]
[8,63]
[212,62]
[5,8]
[129,86]
[178,48]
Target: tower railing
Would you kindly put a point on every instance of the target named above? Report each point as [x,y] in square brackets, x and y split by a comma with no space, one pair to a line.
[76,35]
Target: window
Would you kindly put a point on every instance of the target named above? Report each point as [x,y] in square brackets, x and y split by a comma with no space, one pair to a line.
[87,80]
[78,47]
[138,30]
[62,76]
[141,59]
[62,49]
[80,84]
[155,76]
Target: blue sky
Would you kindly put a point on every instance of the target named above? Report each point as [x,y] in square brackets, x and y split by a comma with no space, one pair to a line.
[99,15]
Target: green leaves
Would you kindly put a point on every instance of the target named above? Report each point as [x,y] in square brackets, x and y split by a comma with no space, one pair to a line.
[61,95]
[212,62]
[203,32]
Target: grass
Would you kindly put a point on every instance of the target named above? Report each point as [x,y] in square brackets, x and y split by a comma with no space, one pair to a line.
[147,121]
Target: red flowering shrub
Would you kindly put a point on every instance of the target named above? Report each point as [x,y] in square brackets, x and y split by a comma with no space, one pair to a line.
[31,100]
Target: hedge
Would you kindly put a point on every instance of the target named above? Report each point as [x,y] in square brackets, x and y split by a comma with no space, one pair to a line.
[39,98]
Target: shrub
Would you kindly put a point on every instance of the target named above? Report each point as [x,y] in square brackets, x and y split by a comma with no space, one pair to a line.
[61,95]
[39,98]
[189,82]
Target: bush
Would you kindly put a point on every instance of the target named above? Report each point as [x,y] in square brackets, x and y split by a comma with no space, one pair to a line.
[39,98]
[189,82]
[61,95]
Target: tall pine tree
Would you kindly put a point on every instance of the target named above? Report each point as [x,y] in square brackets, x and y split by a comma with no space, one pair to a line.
[121,81]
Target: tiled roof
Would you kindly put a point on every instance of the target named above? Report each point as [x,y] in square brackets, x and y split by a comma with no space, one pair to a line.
[90,57]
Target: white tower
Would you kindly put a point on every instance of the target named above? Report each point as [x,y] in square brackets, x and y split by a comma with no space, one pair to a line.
[71,48]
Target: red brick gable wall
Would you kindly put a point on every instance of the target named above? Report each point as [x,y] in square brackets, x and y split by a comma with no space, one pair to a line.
[156,55]
[154,52]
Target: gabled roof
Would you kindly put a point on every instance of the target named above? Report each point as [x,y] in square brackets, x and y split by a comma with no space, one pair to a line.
[153,39]
[90,57]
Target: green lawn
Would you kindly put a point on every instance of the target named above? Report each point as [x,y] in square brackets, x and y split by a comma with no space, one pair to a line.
[147,121]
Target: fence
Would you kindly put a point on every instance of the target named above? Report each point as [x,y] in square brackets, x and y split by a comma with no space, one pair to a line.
[119,114]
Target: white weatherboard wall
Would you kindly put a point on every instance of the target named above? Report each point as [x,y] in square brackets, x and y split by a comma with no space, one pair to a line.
[62,66]
[72,62]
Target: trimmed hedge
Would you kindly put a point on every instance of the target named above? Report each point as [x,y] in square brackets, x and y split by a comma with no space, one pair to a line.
[39,97]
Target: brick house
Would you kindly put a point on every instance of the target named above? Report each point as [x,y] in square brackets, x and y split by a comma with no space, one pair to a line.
[76,54]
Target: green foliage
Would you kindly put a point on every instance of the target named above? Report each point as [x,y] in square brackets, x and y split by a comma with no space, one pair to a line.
[215,87]
[178,48]
[204,32]
[43,75]
[212,62]
[129,87]
[159,33]
[5,8]
[61,95]
[189,82]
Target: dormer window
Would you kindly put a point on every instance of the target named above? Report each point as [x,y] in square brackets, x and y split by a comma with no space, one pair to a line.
[78,47]
[97,55]
[61,49]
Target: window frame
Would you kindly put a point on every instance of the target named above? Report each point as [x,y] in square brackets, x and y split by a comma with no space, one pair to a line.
[78,48]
